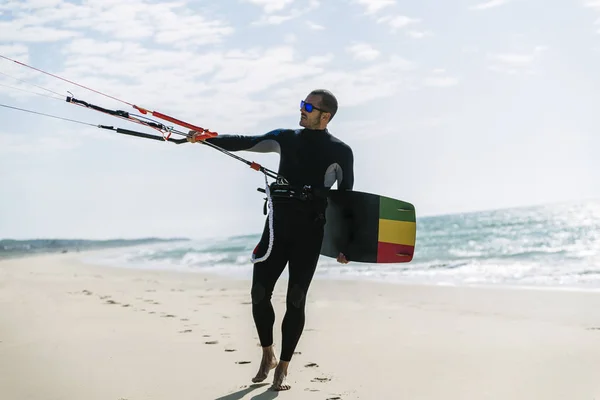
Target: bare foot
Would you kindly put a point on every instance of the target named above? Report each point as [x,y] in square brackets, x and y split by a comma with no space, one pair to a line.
[268,362]
[279,377]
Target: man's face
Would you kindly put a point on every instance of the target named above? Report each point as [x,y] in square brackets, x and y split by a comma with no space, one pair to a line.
[311,120]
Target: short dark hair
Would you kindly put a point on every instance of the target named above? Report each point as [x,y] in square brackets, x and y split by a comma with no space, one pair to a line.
[328,101]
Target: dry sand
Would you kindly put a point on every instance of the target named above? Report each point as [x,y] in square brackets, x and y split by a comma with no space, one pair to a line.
[75,331]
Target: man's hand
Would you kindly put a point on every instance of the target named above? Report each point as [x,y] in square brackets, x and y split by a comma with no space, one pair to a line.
[342,259]
[195,136]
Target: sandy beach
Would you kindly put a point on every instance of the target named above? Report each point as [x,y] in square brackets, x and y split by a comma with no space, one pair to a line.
[74,331]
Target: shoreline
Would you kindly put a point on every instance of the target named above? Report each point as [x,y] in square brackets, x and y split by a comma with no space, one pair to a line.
[339,278]
[86,257]
[70,330]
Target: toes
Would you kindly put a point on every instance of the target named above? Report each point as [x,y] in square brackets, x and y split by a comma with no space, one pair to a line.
[281,387]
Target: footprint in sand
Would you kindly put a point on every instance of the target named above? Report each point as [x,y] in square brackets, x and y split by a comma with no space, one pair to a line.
[230,350]
[168,316]
[212,342]
[184,319]
[111,302]
[317,379]
[243,362]
[126,305]
[185,331]
[312,364]
[86,292]
[334,398]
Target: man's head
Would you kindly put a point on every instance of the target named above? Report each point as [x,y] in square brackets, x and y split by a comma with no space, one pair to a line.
[318,109]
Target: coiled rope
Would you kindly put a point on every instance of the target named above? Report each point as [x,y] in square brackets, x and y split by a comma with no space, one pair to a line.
[271,232]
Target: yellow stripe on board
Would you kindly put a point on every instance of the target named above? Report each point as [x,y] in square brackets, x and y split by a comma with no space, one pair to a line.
[398,232]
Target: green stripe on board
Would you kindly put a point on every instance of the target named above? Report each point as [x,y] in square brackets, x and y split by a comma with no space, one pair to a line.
[396,210]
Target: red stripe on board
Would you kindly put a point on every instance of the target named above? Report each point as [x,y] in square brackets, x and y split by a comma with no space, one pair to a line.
[394,253]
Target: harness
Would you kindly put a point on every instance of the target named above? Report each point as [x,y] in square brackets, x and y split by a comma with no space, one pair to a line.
[281,189]
[287,191]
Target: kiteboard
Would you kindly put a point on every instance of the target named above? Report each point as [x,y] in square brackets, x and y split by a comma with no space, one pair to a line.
[369,228]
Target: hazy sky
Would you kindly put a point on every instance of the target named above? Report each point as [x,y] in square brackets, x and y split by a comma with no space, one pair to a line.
[452,105]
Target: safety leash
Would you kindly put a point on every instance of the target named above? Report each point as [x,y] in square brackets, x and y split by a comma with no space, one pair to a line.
[271,231]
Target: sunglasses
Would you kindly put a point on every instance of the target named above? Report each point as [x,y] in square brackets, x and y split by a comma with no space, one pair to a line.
[309,107]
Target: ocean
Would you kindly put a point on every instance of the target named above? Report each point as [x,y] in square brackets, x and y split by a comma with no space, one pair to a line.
[550,246]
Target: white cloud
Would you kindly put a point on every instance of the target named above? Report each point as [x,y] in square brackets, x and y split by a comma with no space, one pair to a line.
[374,6]
[515,63]
[22,143]
[271,6]
[441,81]
[14,50]
[397,22]
[22,31]
[290,38]
[379,80]
[220,88]
[439,78]
[277,19]
[314,26]
[469,49]
[170,23]
[18,52]
[592,4]
[363,51]
[419,34]
[489,4]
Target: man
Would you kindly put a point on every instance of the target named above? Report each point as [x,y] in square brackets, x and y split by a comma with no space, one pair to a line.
[311,160]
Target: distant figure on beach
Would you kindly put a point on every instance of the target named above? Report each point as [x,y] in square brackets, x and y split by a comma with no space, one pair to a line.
[311,160]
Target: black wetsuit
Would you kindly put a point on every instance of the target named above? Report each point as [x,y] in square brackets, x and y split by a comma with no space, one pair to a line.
[312,158]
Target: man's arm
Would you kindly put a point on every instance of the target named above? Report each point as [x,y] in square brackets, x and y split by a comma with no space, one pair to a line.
[346,182]
[266,143]
[346,179]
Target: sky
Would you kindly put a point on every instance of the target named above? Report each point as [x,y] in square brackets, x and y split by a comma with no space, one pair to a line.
[453,106]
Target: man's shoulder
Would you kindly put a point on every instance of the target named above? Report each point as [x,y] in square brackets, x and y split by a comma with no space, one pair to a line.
[282,132]
[339,142]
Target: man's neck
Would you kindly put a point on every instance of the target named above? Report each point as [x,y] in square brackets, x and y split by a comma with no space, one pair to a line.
[317,129]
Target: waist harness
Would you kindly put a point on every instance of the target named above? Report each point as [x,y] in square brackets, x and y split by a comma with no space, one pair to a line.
[283,191]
